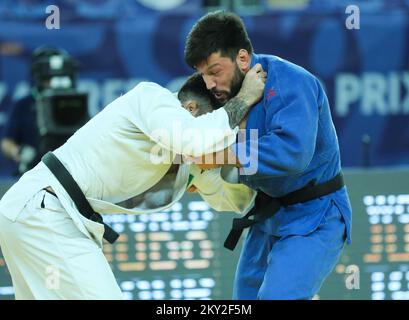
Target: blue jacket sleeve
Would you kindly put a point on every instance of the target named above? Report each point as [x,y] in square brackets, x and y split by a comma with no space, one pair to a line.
[291,127]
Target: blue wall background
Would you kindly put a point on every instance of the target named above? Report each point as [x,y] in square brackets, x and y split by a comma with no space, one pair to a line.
[119,43]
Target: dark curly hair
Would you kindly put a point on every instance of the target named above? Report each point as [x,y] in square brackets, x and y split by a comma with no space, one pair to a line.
[217,31]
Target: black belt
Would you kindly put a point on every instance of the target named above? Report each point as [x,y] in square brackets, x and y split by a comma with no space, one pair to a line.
[72,188]
[266,206]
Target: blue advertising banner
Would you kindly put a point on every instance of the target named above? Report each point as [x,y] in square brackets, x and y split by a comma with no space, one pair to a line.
[365,71]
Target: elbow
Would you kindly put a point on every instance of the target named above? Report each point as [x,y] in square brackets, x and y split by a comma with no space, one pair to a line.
[293,164]
[298,163]
[294,170]
[288,165]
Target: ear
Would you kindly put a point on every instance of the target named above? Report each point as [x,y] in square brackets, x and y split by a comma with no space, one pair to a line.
[243,60]
[191,106]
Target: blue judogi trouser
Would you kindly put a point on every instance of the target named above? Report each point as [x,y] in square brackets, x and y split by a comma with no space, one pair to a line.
[293,266]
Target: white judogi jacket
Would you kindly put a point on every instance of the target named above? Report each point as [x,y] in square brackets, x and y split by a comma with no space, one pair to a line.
[121,156]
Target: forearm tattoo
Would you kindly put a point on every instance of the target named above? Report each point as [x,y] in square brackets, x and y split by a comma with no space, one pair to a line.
[236,109]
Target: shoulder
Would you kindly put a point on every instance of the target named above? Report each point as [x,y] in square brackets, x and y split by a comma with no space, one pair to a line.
[151,91]
[286,69]
[23,102]
[150,87]
[150,96]
[288,76]
[23,106]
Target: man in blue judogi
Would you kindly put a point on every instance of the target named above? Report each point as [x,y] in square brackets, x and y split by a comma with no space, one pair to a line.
[302,216]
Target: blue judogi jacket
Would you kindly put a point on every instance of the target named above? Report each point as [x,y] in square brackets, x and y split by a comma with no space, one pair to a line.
[296,143]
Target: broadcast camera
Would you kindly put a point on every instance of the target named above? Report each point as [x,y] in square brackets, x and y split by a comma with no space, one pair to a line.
[61,108]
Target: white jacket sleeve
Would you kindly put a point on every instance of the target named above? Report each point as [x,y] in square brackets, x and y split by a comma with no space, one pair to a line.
[221,190]
[159,114]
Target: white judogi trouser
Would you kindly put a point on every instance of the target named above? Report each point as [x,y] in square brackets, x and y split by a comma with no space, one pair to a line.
[43,247]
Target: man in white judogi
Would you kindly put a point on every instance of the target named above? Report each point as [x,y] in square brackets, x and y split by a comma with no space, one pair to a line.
[122,156]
